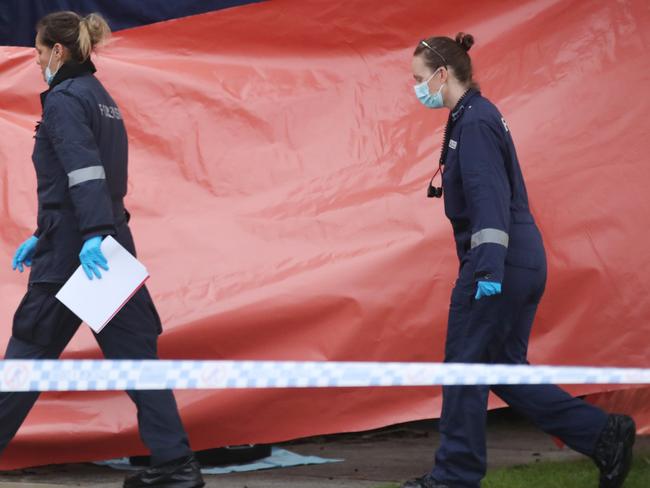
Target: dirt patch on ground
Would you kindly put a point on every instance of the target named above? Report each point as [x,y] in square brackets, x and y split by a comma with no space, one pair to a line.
[372,459]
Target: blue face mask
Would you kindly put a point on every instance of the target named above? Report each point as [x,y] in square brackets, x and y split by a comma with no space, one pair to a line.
[49,76]
[428,99]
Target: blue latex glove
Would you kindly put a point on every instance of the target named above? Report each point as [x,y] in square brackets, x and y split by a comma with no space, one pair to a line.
[92,258]
[24,254]
[487,288]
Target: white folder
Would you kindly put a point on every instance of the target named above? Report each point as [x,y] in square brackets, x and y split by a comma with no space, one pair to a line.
[97,301]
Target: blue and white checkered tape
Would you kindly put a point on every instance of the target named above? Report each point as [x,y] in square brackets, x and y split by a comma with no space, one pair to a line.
[95,375]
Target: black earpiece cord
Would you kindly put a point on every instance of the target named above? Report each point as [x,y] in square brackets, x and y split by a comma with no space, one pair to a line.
[433,191]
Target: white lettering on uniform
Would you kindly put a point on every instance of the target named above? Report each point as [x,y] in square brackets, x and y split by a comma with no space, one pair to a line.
[505,125]
[452,144]
[110,112]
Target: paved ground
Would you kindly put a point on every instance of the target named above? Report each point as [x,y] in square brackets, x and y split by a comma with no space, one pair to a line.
[372,459]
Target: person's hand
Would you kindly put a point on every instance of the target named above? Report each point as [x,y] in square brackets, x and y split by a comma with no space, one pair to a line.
[92,258]
[487,288]
[24,254]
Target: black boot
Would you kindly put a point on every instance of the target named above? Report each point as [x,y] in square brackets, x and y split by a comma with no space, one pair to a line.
[184,472]
[613,453]
[425,481]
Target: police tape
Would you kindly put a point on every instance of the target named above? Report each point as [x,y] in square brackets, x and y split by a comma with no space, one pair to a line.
[102,375]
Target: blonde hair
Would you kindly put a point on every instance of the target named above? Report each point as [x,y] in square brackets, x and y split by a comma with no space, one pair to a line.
[93,31]
[80,35]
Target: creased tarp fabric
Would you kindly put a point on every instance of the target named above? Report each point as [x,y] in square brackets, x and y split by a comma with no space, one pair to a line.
[278,171]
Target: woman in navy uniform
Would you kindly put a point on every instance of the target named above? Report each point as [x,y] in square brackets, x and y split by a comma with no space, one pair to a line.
[80,156]
[500,283]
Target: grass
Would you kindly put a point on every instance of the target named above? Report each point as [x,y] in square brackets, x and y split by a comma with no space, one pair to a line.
[576,474]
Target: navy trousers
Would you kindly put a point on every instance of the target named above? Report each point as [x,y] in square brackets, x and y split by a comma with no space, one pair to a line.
[496,329]
[42,328]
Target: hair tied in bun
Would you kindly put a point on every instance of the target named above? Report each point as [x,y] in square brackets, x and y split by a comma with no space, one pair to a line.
[466,41]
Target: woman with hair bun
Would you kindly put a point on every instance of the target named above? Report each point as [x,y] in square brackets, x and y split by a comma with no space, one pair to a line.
[500,283]
[80,156]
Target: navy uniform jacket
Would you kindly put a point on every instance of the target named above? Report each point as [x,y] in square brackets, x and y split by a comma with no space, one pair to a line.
[484,191]
[80,156]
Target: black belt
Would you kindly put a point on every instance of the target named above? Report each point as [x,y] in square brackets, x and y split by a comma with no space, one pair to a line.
[118,208]
[117,204]
[54,206]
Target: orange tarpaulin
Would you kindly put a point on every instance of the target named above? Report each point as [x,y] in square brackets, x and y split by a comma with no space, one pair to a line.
[278,170]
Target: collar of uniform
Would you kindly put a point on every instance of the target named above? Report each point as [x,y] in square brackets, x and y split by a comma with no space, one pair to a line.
[459,109]
[454,116]
[69,69]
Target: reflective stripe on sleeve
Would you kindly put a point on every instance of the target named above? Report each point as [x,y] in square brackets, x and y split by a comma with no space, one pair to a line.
[82,175]
[490,236]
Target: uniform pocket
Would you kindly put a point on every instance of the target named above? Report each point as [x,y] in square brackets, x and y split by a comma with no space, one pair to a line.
[156,318]
[40,316]
[152,308]
[465,287]
[46,226]
[521,258]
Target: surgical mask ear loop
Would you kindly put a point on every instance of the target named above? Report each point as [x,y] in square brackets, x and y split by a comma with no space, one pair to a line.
[424,95]
[426,82]
[48,75]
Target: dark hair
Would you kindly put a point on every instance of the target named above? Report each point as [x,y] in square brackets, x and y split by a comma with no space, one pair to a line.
[445,51]
[80,35]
